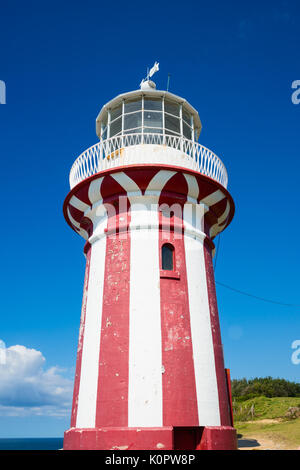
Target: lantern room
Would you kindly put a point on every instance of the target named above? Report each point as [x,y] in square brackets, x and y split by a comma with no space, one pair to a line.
[148,111]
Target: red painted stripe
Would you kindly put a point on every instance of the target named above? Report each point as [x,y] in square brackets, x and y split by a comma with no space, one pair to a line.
[110,189]
[81,336]
[83,194]
[178,379]
[228,382]
[210,219]
[142,176]
[76,213]
[219,208]
[216,337]
[112,396]
[175,187]
[87,225]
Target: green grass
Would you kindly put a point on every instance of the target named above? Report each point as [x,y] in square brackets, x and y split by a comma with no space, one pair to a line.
[284,432]
[263,408]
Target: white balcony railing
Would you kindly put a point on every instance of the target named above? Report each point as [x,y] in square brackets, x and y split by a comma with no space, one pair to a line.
[126,150]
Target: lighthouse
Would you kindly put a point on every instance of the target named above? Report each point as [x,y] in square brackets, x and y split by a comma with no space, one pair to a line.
[149,200]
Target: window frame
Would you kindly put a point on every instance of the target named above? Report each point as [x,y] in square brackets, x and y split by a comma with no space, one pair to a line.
[168,273]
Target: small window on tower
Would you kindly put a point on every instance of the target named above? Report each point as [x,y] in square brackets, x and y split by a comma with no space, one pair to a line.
[167,257]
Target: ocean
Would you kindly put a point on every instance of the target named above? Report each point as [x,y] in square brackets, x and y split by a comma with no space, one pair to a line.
[31,443]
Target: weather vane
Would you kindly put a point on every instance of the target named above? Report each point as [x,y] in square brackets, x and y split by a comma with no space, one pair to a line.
[150,72]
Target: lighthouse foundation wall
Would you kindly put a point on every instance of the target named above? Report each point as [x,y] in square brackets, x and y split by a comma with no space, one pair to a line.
[153,438]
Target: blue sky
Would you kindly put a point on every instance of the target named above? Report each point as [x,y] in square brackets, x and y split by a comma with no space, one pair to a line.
[61,61]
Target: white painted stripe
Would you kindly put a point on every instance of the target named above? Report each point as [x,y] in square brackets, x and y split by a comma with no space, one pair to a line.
[94,190]
[72,220]
[158,181]
[193,221]
[76,224]
[224,216]
[204,361]
[145,356]
[87,397]
[213,198]
[193,188]
[126,182]
[78,204]
[216,228]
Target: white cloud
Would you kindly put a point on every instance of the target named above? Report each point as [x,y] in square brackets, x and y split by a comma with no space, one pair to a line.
[27,387]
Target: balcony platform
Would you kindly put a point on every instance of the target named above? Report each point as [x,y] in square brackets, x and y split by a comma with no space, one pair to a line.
[132,149]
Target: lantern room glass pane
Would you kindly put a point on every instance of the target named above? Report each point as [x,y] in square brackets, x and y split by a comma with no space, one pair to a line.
[167,132]
[152,130]
[187,131]
[116,127]
[138,130]
[132,105]
[115,112]
[186,117]
[172,108]
[153,104]
[153,119]
[172,123]
[132,120]
[104,133]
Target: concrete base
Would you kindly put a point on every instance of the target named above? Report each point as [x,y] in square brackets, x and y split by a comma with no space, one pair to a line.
[218,438]
[161,438]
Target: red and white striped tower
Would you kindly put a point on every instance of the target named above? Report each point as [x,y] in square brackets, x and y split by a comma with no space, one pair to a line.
[149,200]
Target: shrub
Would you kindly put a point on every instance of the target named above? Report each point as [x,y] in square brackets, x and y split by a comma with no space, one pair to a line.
[264,386]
